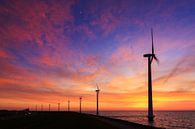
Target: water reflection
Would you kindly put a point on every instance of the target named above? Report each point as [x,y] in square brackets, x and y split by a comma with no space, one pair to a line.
[165,119]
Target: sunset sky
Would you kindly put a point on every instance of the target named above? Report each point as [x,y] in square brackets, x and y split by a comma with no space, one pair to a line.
[55,51]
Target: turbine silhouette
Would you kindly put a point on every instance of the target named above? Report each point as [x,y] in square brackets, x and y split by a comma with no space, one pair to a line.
[41,107]
[97,99]
[36,108]
[80,103]
[68,105]
[58,107]
[150,57]
[49,107]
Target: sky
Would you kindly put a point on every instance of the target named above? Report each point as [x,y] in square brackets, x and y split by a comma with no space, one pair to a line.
[55,51]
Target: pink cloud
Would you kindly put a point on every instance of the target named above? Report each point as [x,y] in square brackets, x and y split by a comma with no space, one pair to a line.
[4,54]
[38,20]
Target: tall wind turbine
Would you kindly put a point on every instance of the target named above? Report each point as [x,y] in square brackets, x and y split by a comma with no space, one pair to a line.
[150,57]
[97,99]
[80,103]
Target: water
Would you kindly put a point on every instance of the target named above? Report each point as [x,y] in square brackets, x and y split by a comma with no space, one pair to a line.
[165,119]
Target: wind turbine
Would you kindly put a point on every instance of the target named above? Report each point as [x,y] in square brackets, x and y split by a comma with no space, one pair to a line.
[36,108]
[49,107]
[58,107]
[80,103]
[41,107]
[150,57]
[68,105]
[97,99]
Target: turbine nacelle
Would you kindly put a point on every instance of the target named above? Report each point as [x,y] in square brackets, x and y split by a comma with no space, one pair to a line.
[149,55]
[97,90]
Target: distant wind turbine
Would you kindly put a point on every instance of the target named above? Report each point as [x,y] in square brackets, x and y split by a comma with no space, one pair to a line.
[49,107]
[68,105]
[36,108]
[41,107]
[80,103]
[97,100]
[58,107]
[150,59]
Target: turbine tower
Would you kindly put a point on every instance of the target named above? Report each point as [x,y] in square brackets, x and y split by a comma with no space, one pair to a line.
[68,105]
[80,103]
[36,108]
[97,99]
[58,107]
[41,107]
[49,107]
[150,57]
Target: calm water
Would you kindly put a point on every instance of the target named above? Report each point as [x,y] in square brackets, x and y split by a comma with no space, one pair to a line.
[166,119]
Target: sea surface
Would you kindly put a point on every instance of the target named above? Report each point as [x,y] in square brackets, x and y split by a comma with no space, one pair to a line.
[165,119]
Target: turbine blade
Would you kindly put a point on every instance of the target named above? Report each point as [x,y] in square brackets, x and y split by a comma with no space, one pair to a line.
[152,41]
[97,86]
[156,59]
[152,59]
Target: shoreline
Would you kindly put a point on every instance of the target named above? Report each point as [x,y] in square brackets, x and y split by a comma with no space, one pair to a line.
[124,124]
[63,119]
